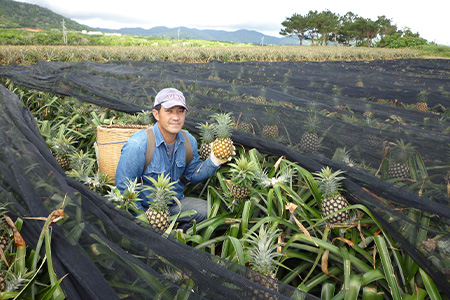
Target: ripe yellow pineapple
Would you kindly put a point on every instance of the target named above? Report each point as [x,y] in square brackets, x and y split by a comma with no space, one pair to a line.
[330,186]
[206,137]
[242,176]
[158,211]
[223,145]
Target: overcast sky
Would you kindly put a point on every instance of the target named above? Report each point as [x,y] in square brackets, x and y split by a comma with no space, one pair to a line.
[429,18]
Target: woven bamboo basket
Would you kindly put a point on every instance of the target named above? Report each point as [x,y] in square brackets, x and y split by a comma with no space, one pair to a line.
[110,139]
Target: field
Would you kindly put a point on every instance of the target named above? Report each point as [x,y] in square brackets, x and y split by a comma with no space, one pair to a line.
[362,105]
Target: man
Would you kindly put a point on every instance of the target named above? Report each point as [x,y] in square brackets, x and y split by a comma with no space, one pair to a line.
[169,157]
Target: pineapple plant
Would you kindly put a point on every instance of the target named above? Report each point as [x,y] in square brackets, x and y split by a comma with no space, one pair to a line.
[270,129]
[242,176]
[145,117]
[222,146]
[310,140]
[329,183]
[62,147]
[207,136]
[158,211]
[398,164]
[422,101]
[342,155]
[263,259]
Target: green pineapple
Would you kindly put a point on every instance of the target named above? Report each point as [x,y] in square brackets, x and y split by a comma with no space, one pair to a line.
[263,260]
[310,140]
[400,154]
[63,147]
[242,176]
[206,137]
[332,200]
[223,145]
[161,192]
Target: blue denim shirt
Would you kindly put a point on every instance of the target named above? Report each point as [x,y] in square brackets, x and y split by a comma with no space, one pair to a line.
[132,163]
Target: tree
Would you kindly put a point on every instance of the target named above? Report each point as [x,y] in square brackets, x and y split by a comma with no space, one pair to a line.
[386,27]
[327,24]
[295,25]
[347,31]
[367,29]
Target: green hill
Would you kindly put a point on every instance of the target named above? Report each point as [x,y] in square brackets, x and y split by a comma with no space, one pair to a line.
[16,15]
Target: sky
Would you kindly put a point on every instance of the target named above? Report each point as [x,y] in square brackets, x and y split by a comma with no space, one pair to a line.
[428,18]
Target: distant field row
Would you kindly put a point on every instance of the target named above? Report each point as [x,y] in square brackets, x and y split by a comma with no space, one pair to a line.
[32,54]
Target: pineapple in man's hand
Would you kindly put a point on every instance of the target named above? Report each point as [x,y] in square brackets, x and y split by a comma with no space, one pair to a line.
[222,147]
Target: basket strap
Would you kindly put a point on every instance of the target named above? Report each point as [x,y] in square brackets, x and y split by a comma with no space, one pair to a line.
[151,147]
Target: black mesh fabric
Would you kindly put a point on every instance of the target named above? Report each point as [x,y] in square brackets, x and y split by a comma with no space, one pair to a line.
[349,92]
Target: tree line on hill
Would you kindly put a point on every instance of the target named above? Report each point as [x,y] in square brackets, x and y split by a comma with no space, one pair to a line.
[350,29]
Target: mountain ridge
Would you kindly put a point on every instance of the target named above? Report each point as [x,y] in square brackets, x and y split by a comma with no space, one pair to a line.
[15,14]
[238,36]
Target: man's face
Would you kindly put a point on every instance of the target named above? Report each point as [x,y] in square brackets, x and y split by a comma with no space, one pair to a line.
[170,120]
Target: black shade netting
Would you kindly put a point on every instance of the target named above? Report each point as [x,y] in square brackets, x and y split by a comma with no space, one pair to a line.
[362,107]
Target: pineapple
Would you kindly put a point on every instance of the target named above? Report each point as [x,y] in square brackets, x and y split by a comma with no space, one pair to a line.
[245,126]
[332,200]
[243,174]
[310,140]
[400,154]
[222,146]
[62,148]
[262,249]
[161,192]
[4,241]
[270,129]
[422,101]
[2,282]
[206,137]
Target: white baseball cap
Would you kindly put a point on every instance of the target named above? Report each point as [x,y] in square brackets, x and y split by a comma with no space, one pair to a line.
[170,97]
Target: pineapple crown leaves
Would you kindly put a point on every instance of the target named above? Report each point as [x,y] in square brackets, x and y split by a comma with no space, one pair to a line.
[342,155]
[62,145]
[262,248]
[131,192]
[223,126]
[312,123]
[207,132]
[283,176]
[145,117]
[402,151]
[80,160]
[271,116]
[161,191]
[329,182]
[243,170]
